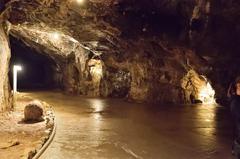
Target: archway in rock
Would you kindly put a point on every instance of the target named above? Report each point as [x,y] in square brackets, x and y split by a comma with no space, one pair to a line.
[39,71]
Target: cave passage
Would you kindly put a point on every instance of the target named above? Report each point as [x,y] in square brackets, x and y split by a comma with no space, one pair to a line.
[38,70]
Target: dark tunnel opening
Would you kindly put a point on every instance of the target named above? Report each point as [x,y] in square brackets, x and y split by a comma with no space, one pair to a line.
[39,71]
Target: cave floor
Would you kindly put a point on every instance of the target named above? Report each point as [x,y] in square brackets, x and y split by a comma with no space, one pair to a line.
[92,128]
[19,140]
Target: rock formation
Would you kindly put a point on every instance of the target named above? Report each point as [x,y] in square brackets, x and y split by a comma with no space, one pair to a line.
[5,96]
[154,51]
[33,111]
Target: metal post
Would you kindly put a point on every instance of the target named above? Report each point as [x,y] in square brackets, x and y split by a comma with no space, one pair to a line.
[16,68]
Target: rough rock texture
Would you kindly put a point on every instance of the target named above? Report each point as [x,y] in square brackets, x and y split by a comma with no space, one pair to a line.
[150,72]
[33,111]
[156,70]
[145,50]
[5,97]
[215,37]
[197,88]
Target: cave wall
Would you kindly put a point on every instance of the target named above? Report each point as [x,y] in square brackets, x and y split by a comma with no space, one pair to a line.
[147,71]
[5,95]
[214,34]
[102,56]
[136,48]
[157,69]
[144,70]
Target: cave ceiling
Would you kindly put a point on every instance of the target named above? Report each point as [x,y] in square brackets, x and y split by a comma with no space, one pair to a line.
[97,25]
[109,25]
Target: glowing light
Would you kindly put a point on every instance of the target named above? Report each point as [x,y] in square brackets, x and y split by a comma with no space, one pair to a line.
[98,105]
[80,1]
[16,68]
[97,71]
[55,36]
[206,94]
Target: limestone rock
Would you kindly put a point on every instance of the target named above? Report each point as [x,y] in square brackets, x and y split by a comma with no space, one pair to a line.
[5,100]
[33,111]
[83,40]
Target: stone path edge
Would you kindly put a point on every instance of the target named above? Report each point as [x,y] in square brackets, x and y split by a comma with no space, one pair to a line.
[48,142]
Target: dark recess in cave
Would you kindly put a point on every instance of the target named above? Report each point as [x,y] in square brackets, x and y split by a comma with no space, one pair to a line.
[39,71]
[146,18]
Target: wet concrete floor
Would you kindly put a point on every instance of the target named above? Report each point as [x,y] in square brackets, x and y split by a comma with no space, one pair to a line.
[92,128]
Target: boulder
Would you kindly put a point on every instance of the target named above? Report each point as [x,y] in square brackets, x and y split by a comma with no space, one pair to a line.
[33,111]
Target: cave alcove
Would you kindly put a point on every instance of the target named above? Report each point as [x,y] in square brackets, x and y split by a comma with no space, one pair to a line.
[39,72]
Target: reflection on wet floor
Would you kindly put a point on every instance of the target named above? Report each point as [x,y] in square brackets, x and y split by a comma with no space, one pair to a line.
[98,107]
[90,128]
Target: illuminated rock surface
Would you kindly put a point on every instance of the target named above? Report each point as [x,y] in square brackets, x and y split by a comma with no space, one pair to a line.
[156,51]
[143,49]
[4,62]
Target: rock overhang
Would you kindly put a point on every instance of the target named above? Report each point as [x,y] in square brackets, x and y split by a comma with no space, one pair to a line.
[111,30]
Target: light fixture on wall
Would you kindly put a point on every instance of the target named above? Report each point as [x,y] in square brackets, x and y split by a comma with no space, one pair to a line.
[16,68]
